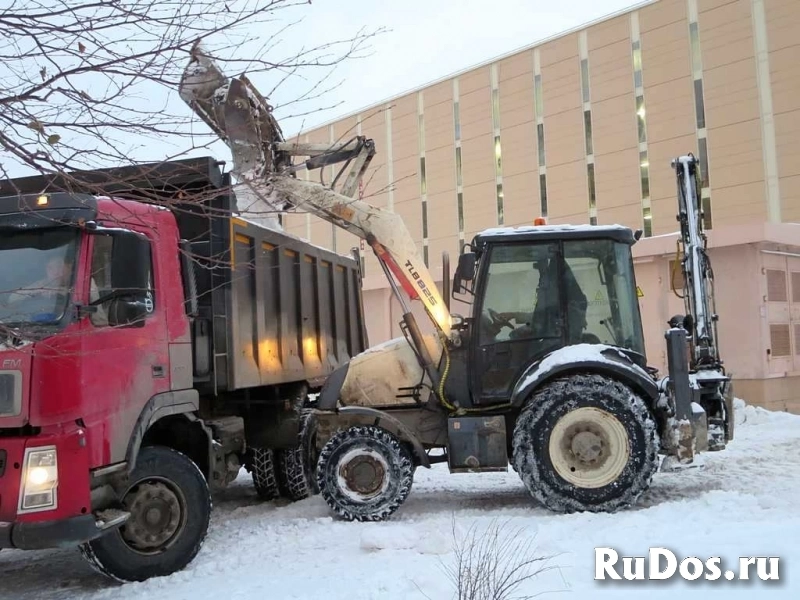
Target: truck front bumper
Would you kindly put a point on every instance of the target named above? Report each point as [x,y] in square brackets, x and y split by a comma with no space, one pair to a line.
[49,534]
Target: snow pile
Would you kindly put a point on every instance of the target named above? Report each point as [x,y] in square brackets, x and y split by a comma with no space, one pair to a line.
[739,502]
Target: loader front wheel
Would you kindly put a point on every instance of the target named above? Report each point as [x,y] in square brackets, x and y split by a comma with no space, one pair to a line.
[585,443]
[364,473]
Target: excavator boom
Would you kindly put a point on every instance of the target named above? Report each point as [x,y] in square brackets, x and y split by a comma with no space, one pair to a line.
[262,161]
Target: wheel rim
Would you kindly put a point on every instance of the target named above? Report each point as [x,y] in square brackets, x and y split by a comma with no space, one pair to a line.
[363,474]
[589,447]
[158,516]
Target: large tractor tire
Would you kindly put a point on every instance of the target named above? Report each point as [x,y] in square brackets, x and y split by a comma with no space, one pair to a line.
[296,466]
[585,443]
[261,464]
[364,474]
[170,505]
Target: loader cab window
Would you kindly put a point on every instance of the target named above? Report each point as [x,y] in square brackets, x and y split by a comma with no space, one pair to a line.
[603,272]
[521,315]
[521,294]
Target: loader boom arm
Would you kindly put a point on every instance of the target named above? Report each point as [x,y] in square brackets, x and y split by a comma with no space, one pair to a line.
[262,160]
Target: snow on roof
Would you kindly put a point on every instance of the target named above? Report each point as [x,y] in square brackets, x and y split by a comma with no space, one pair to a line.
[550,229]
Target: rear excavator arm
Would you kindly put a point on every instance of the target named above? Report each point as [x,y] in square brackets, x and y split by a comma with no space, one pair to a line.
[262,160]
[697,381]
[697,272]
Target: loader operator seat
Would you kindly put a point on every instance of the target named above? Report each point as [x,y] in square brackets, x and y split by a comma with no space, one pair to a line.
[545,320]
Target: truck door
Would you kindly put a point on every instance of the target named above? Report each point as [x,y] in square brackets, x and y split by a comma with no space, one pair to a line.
[122,366]
[519,317]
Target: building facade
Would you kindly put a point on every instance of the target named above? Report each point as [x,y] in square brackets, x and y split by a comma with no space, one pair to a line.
[581,128]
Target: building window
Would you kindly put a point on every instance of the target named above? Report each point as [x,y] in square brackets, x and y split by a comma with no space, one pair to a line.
[423,180]
[640,118]
[706,204]
[540,135]
[590,177]
[644,174]
[637,64]
[703,158]
[537,92]
[456,120]
[543,193]
[587,126]
[500,210]
[585,79]
[459,180]
[698,103]
[460,200]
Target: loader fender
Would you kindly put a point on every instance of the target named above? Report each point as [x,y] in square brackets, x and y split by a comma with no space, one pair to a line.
[329,394]
[593,358]
[349,416]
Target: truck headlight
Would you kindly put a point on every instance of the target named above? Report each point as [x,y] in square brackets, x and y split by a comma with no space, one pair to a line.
[40,480]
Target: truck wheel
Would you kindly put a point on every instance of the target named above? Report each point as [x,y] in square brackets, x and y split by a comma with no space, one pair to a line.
[262,467]
[585,443]
[364,474]
[170,505]
[295,466]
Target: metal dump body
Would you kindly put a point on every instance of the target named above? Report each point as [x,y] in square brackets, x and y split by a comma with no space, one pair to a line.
[272,308]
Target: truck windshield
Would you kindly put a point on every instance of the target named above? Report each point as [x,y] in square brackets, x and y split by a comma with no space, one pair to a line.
[36,271]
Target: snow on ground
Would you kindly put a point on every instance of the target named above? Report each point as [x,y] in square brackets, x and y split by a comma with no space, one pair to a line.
[743,502]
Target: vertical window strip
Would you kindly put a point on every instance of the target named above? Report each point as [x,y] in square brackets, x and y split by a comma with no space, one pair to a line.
[543,193]
[538,102]
[498,163]
[423,177]
[700,110]
[641,125]
[583,53]
[459,177]
[587,125]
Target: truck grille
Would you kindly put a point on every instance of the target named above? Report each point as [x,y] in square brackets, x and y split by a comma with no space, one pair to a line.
[10,394]
[2,462]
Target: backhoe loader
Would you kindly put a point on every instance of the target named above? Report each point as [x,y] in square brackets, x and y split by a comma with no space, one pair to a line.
[547,373]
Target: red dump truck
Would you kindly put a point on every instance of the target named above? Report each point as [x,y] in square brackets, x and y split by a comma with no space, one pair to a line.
[153,342]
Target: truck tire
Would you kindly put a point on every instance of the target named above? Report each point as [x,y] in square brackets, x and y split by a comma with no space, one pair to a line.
[170,505]
[585,442]
[364,474]
[262,467]
[295,466]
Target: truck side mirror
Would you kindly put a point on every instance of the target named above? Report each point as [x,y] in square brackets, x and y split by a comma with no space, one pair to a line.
[465,271]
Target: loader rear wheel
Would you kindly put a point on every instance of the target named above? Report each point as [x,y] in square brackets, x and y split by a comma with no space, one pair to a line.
[170,506]
[364,474]
[585,443]
[262,466]
[295,466]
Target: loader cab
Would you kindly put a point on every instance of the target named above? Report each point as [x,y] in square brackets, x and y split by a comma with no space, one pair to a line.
[538,289]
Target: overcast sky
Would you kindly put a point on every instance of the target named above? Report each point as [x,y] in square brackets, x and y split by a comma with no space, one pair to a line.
[425,40]
[430,39]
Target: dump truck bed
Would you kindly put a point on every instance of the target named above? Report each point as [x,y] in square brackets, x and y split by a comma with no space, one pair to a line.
[272,308]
